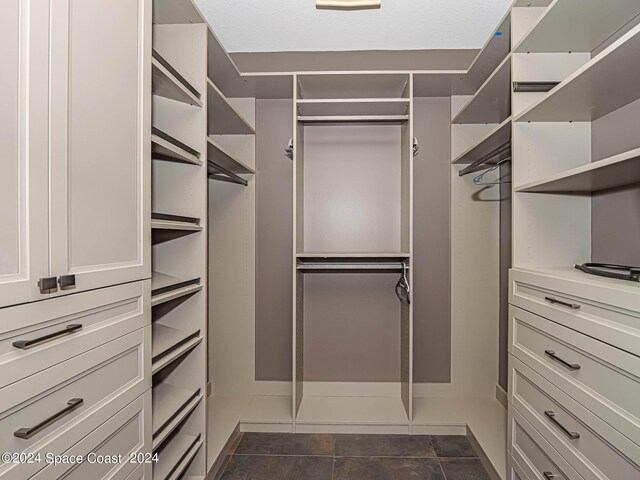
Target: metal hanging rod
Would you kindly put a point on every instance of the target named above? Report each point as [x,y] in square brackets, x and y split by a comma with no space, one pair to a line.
[484,161]
[216,172]
[533,87]
[288,151]
[395,266]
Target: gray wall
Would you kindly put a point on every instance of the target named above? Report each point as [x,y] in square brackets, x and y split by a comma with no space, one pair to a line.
[616,214]
[274,242]
[432,242]
[505,265]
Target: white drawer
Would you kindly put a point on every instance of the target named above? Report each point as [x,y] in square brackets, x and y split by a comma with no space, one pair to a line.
[592,447]
[607,380]
[608,310]
[532,457]
[127,432]
[68,326]
[106,378]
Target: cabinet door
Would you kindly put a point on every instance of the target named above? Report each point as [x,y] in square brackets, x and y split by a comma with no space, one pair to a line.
[23,150]
[100,142]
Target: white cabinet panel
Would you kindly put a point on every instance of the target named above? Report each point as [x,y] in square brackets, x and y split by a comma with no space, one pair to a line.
[23,161]
[99,145]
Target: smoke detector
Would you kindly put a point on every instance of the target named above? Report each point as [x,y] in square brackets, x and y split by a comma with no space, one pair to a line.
[348,4]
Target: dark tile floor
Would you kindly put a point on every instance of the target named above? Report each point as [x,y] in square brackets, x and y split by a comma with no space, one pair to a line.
[283,456]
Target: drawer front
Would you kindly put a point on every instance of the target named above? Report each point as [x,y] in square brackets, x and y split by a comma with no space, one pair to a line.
[603,378]
[532,456]
[55,408]
[590,445]
[38,335]
[607,311]
[105,452]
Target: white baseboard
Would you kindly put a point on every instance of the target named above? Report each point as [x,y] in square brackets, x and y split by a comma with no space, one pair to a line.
[352,389]
[502,396]
[437,390]
[272,388]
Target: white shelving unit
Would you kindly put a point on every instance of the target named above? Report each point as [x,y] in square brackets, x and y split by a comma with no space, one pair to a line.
[219,155]
[491,141]
[179,240]
[223,117]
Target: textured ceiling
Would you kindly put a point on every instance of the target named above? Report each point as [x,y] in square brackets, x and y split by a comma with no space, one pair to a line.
[296,25]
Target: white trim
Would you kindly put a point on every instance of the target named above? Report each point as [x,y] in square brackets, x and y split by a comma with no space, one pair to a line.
[272,388]
[352,389]
[502,397]
[438,390]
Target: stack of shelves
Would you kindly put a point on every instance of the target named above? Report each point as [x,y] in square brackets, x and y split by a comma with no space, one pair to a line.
[340,118]
[179,241]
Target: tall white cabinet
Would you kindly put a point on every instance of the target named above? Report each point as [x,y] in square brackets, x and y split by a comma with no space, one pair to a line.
[75,134]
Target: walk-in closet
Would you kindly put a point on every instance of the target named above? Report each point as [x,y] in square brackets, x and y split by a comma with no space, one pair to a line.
[320,240]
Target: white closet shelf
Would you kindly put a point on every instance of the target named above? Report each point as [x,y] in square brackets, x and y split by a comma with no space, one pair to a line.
[176,456]
[223,118]
[353,118]
[162,283]
[165,147]
[171,405]
[168,83]
[606,83]
[489,57]
[223,70]
[617,171]
[372,255]
[175,222]
[492,102]
[353,106]
[577,25]
[348,85]
[573,274]
[217,154]
[352,411]
[494,139]
[169,343]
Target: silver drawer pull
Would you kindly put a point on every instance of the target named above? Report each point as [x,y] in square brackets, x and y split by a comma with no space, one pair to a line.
[25,344]
[26,433]
[570,366]
[574,306]
[549,475]
[552,416]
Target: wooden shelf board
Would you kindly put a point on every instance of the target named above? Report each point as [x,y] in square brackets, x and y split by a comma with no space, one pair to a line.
[353,118]
[372,255]
[617,171]
[171,405]
[488,59]
[219,155]
[223,118]
[353,106]
[353,85]
[169,343]
[165,150]
[352,411]
[166,85]
[173,294]
[494,139]
[175,225]
[176,456]
[161,281]
[577,25]
[159,364]
[573,274]
[223,70]
[606,83]
[492,102]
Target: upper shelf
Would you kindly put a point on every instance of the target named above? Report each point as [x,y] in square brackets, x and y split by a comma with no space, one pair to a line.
[165,147]
[492,101]
[490,56]
[493,140]
[577,25]
[168,83]
[223,118]
[608,82]
[353,106]
[353,85]
[613,172]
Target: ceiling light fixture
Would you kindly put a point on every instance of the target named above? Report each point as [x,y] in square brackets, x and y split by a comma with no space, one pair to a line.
[348,4]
